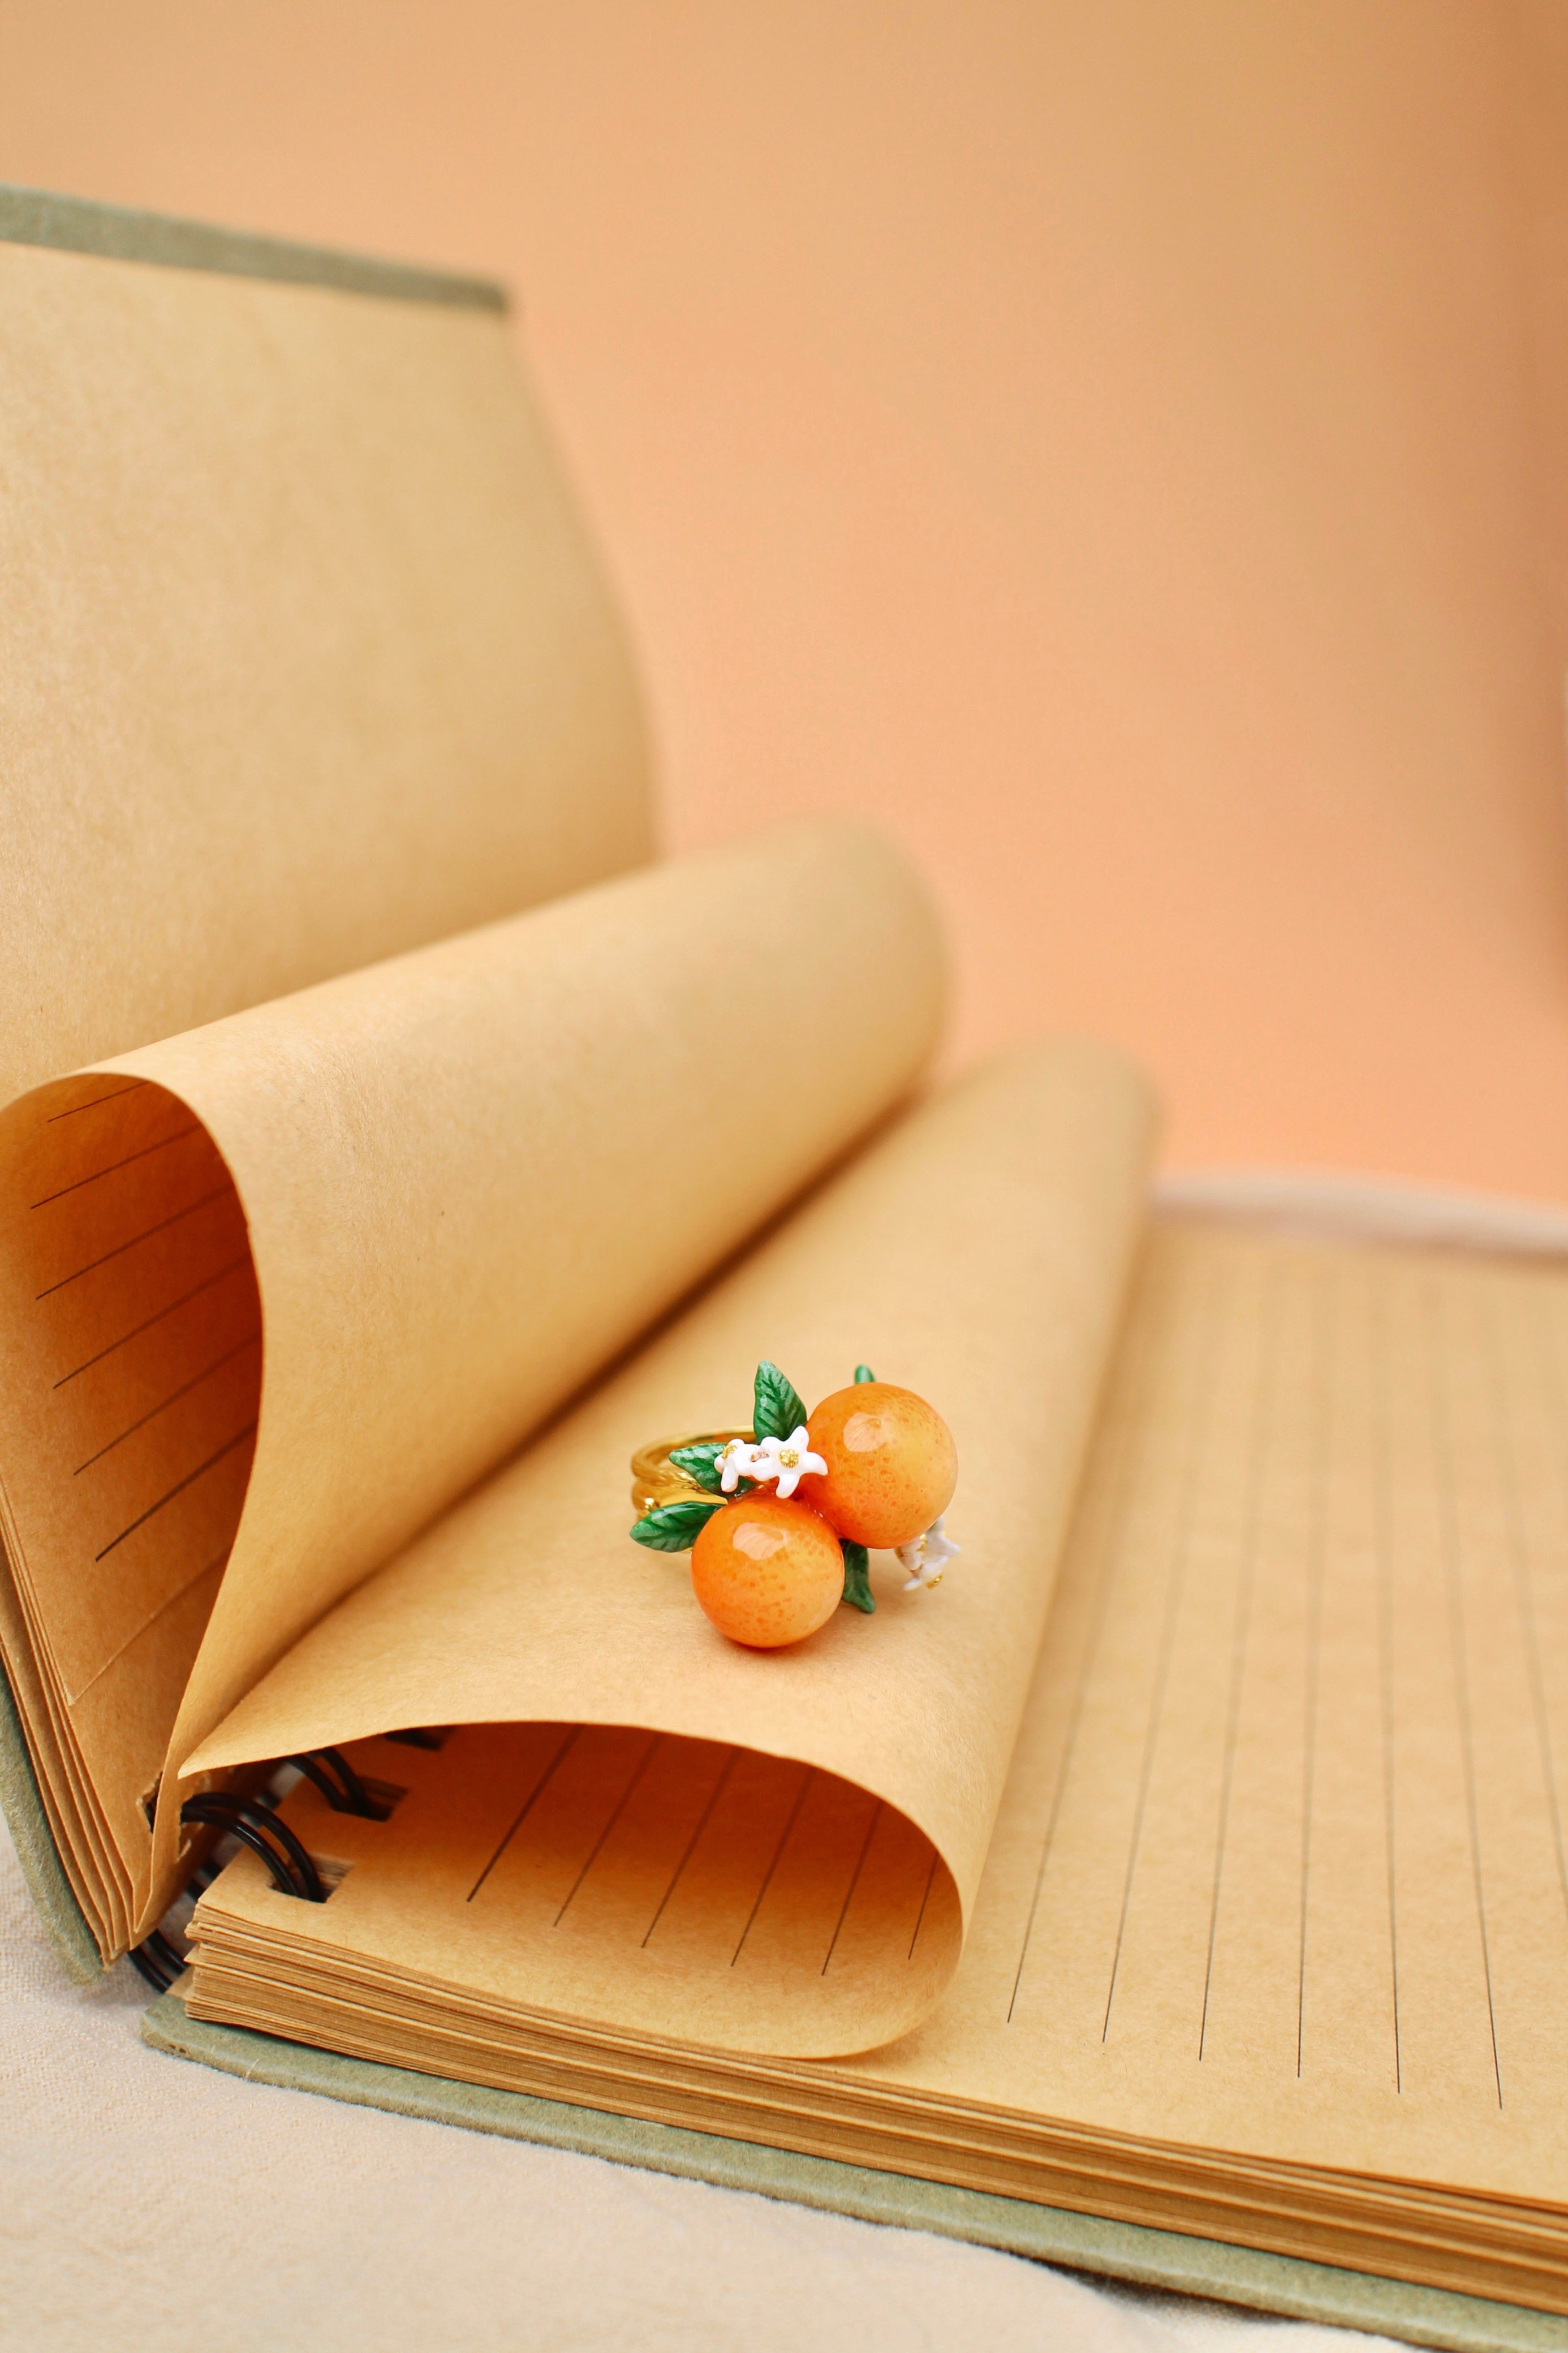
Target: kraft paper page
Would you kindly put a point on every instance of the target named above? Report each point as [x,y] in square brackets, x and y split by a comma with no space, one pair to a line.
[1282,1866]
[356,684]
[140,1424]
[978,1253]
[636,1882]
[1272,1937]
[303,644]
[432,1197]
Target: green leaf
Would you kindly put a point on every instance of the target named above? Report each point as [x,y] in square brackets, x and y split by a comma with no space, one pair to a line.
[700,1462]
[674,1527]
[863,1373]
[856,1583]
[780,1409]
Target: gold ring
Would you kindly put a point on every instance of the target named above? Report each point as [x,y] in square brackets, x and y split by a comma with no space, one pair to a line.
[876,1466]
[656,1479]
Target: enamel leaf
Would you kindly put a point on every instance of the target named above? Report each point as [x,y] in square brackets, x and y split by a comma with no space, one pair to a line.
[674,1527]
[780,1407]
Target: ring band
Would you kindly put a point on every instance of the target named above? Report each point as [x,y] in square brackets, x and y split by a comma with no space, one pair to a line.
[656,1479]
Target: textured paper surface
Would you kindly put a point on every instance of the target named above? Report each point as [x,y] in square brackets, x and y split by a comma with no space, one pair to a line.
[979,1254]
[1274,1926]
[647,1884]
[448,1188]
[305,660]
[129,1343]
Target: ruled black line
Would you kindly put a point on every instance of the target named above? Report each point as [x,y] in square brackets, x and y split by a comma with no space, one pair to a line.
[1324,1324]
[1069,1748]
[93,1102]
[809,1776]
[920,1915]
[522,1812]
[1173,1591]
[168,1603]
[621,1804]
[183,1299]
[704,1817]
[854,1879]
[163,1225]
[1263,1404]
[172,1398]
[1442,1449]
[1383,1526]
[1120,1483]
[188,1480]
[178,1137]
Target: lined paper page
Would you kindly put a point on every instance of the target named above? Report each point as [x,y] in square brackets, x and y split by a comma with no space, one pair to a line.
[1271,1943]
[1282,1867]
[131,1354]
[649,1884]
[984,1244]
[435,1157]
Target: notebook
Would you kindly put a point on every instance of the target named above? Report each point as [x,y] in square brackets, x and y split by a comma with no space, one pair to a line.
[389,1150]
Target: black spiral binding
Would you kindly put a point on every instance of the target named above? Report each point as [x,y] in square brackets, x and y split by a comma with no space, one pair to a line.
[255,1823]
[341,1786]
[156,1961]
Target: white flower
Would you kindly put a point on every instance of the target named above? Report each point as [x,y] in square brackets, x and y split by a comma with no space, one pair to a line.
[787,1459]
[926,1557]
[734,1464]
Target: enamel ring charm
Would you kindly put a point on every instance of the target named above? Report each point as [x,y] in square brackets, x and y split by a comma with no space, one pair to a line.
[779,1519]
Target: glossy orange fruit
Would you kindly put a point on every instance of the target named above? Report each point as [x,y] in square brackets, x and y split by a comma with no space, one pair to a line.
[891,1463]
[766,1572]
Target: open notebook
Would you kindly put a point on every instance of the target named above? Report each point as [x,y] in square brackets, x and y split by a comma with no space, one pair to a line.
[1246,1913]
[1191,1859]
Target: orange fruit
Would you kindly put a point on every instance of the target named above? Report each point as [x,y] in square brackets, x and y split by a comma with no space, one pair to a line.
[891,1463]
[767,1572]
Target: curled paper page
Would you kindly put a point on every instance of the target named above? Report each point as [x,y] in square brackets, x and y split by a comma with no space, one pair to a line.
[308,662]
[978,1253]
[274,1292]
[307,658]
[1272,1935]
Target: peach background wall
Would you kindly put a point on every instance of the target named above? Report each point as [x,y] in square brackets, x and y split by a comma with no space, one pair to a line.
[1119,442]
